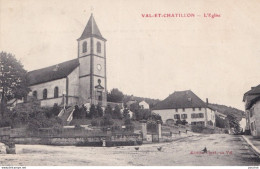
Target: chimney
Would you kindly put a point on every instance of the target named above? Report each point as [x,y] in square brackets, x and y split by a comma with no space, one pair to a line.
[207,101]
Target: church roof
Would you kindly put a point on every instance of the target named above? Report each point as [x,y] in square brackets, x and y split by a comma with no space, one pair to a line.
[180,99]
[51,73]
[91,29]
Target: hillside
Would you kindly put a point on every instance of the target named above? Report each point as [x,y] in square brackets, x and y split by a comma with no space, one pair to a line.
[228,110]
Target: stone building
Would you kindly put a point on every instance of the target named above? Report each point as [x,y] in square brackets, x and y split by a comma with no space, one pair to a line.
[185,105]
[78,81]
[252,109]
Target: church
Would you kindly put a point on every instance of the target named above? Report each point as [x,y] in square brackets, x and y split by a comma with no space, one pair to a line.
[79,81]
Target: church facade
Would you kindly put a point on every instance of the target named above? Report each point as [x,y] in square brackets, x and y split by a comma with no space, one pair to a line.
[78,81]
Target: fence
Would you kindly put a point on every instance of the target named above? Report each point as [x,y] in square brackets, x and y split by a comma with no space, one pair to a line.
[69,132]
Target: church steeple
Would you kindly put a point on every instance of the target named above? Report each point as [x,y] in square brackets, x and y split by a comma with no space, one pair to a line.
[91,30]
[92,69]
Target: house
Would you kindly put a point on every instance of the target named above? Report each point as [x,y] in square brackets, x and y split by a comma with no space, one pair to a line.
[144,105]
[185,105]
[217,113]
[78,81]
[221,115]
[252,109]
[130,102]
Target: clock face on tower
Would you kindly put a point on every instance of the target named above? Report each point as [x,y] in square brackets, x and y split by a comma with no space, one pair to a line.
[99,67]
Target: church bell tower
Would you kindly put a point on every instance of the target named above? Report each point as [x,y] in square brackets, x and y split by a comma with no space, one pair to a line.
[92,69]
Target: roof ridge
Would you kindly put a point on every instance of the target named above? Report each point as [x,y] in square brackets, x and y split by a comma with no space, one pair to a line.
[179,99]
[52,65]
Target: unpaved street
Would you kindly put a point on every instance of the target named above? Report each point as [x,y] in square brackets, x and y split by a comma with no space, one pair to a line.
[222,150]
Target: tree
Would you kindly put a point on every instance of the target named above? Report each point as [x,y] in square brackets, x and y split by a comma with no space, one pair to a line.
[221,123]
[54,111]
[92,111]
[108,110]
[233,123]
[13,80]
[145,114]
[155,117]
[82,112]
[115,95]
[76,113]
[135,108]
[125,112]
[117,113]
[99,111]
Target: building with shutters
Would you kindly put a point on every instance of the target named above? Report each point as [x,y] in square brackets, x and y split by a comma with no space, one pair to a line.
[185,105]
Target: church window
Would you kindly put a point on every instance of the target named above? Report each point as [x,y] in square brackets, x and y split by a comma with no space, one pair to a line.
[84,47]
[35,94]
[56,92]
[98,47]
[44,94]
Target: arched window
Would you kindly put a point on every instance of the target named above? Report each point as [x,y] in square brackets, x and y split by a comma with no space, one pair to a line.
[98,47]
[35,94]
[45,94]
[84,47]
[56,92]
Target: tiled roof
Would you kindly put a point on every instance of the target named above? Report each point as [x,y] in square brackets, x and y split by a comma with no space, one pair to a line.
[253,91]
[251,100]
[180,99]
[91,29]
[251,96]
[54,72]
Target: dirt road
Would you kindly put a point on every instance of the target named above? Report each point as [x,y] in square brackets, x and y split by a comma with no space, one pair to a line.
[221,150]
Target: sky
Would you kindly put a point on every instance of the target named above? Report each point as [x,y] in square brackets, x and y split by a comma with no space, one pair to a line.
[217,58]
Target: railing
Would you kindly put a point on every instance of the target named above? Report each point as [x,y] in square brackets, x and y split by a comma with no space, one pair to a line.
[70,116]
[61,113]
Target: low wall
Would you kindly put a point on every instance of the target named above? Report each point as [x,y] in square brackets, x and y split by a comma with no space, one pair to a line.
[7,141]
[49,141]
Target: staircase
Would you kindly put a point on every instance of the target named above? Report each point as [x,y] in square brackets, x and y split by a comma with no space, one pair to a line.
[67,115]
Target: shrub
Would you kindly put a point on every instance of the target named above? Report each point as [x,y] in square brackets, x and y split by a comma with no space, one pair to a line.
[184,122]
[178,122]
[77,126]
[106,120]
[130,128]
[94,122]
[169,122]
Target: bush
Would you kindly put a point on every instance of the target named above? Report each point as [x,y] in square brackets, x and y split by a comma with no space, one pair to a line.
[202,129]
[130,128]
[106,120]
[77,126]
[184,122]
[94,122]
[178,122]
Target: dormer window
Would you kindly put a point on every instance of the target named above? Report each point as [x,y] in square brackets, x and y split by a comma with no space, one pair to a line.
[84,47]
[98,47]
